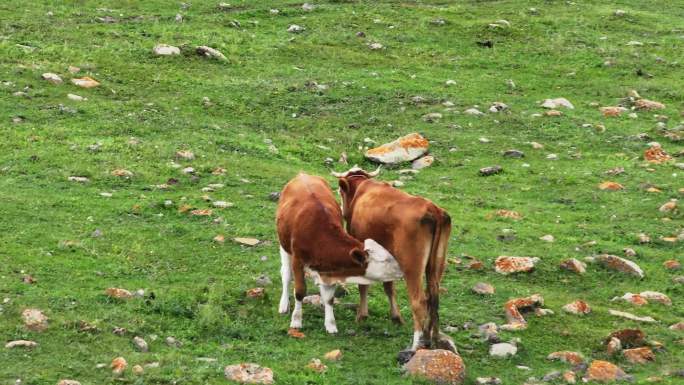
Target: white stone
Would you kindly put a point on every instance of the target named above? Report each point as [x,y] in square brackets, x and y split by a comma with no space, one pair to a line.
[557,103]
[503,349]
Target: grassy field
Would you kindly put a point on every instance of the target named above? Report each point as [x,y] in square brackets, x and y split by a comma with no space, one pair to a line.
[148,108]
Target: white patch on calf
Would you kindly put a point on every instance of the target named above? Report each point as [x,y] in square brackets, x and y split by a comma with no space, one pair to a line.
[296,322]
[327,294]
[417,336]
[382,266]
[286,276]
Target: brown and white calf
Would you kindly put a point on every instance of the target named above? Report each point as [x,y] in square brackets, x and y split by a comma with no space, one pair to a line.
[415,231]
[312,237]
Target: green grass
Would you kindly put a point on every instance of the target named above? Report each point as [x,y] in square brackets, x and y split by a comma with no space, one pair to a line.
[260,93]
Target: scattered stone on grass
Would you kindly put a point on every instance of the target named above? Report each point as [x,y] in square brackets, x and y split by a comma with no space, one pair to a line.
[489,332]
[473,112]
[497,107]
[333,355]
[165,50]
[404,149]
[52,78]
[648,105]
[547,238]
[503,349]
[115,292]
[509,265]
[438,366]
[423,162]
[248,373]
[432,117]
[572,358]
[655,154]
[294,28]
[85,82]
[122,173]
[316,365]
[612,111]
[295,333]
[679,326]
[375,46]
[210,53]
[611,186]
[508,214]
[34,319]
[483,288]
[491,170]
[604,371]
[640,355]
[118,365]
[630,316]
[247,241]
[557,103]
[21,343]
[668,206]
[256,292]
[614,262]
[515,307]
[574,265]
[513,154]
[577,307]
[141,344]
[553,113]
[138,370]
[634,299]
[656,297]
[629,338]
[79,179]
[68,382]
[488,381]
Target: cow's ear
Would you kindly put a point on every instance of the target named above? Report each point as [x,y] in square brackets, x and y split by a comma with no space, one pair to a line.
[359,256]
[344,185]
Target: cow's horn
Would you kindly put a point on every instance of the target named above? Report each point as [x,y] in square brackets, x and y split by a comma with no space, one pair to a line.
[339,174]
[375,173]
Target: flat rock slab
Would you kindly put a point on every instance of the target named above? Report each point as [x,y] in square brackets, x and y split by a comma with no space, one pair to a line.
[604,371]
[34,320]
[556,103]
[438,366]
[630,316]
[165,50]
[21,343]
[249,374]
[404,149]
[503,349]
[509,265]
[623,265]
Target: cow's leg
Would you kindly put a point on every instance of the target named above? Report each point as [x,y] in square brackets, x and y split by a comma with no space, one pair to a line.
[362,310]
[395,315]
[299,292]
[286,276]
[327,297]
[414,286]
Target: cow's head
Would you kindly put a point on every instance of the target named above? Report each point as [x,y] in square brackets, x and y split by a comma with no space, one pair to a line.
[349,181]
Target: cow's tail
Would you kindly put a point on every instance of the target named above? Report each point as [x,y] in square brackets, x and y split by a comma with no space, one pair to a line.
[433,272]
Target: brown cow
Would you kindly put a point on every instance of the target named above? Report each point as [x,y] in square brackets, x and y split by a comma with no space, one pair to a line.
[415,231]
[312,237]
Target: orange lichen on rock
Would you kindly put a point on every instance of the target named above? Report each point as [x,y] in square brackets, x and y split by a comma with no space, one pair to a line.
[645,104]
[611,186]
[508,214]
[572,358]
[515,307]
[639,355]
[439,366]
[507,265]
[656,154]
[629,337]
[604,371]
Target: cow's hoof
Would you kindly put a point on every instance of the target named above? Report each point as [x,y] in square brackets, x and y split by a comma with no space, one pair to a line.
[284,309]
[361,317]
[405,356]
[296,324]
[331,329]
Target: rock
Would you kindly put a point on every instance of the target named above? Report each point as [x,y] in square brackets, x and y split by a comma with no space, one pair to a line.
[404,149]
[547,238]
[294,28]
[635,299]
[552,157]
[510,214]
[256,292]
[613,346]
[644,104]
[248,373]
[333,355]
[614,262]
[263,280]
[222,204]
[66,382]
[489,332]
[316,365]
[498,107]
[612,111]
[668,206]
[52,78]
[610,186]
[34,320]
[188,170]
[295,333]
[432,117]
[85,82]
[656,155]
[375,46]
[141,344]
[572,358]
[629,338]
[656,297]
[552,376]
[513,154]
[79,179]
[604,371]
[629,252]
[679,326]
[122,173]
[630,316]
[247,241]
[450,82]
[553,113]
[173,342]
[210,53]
[488,381]
[515,307]
[76,98]
[423,162]
[138,370]
[639,355]
[26,344]
[557,103]
[438,366]
[569,376]
[165,50]
[185,155]
[578,307]
[473,112]
[509,265]
[574,265]
[483,288]
[503,349]
[115,292]
[492,170]
[118,365]
[678,279]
